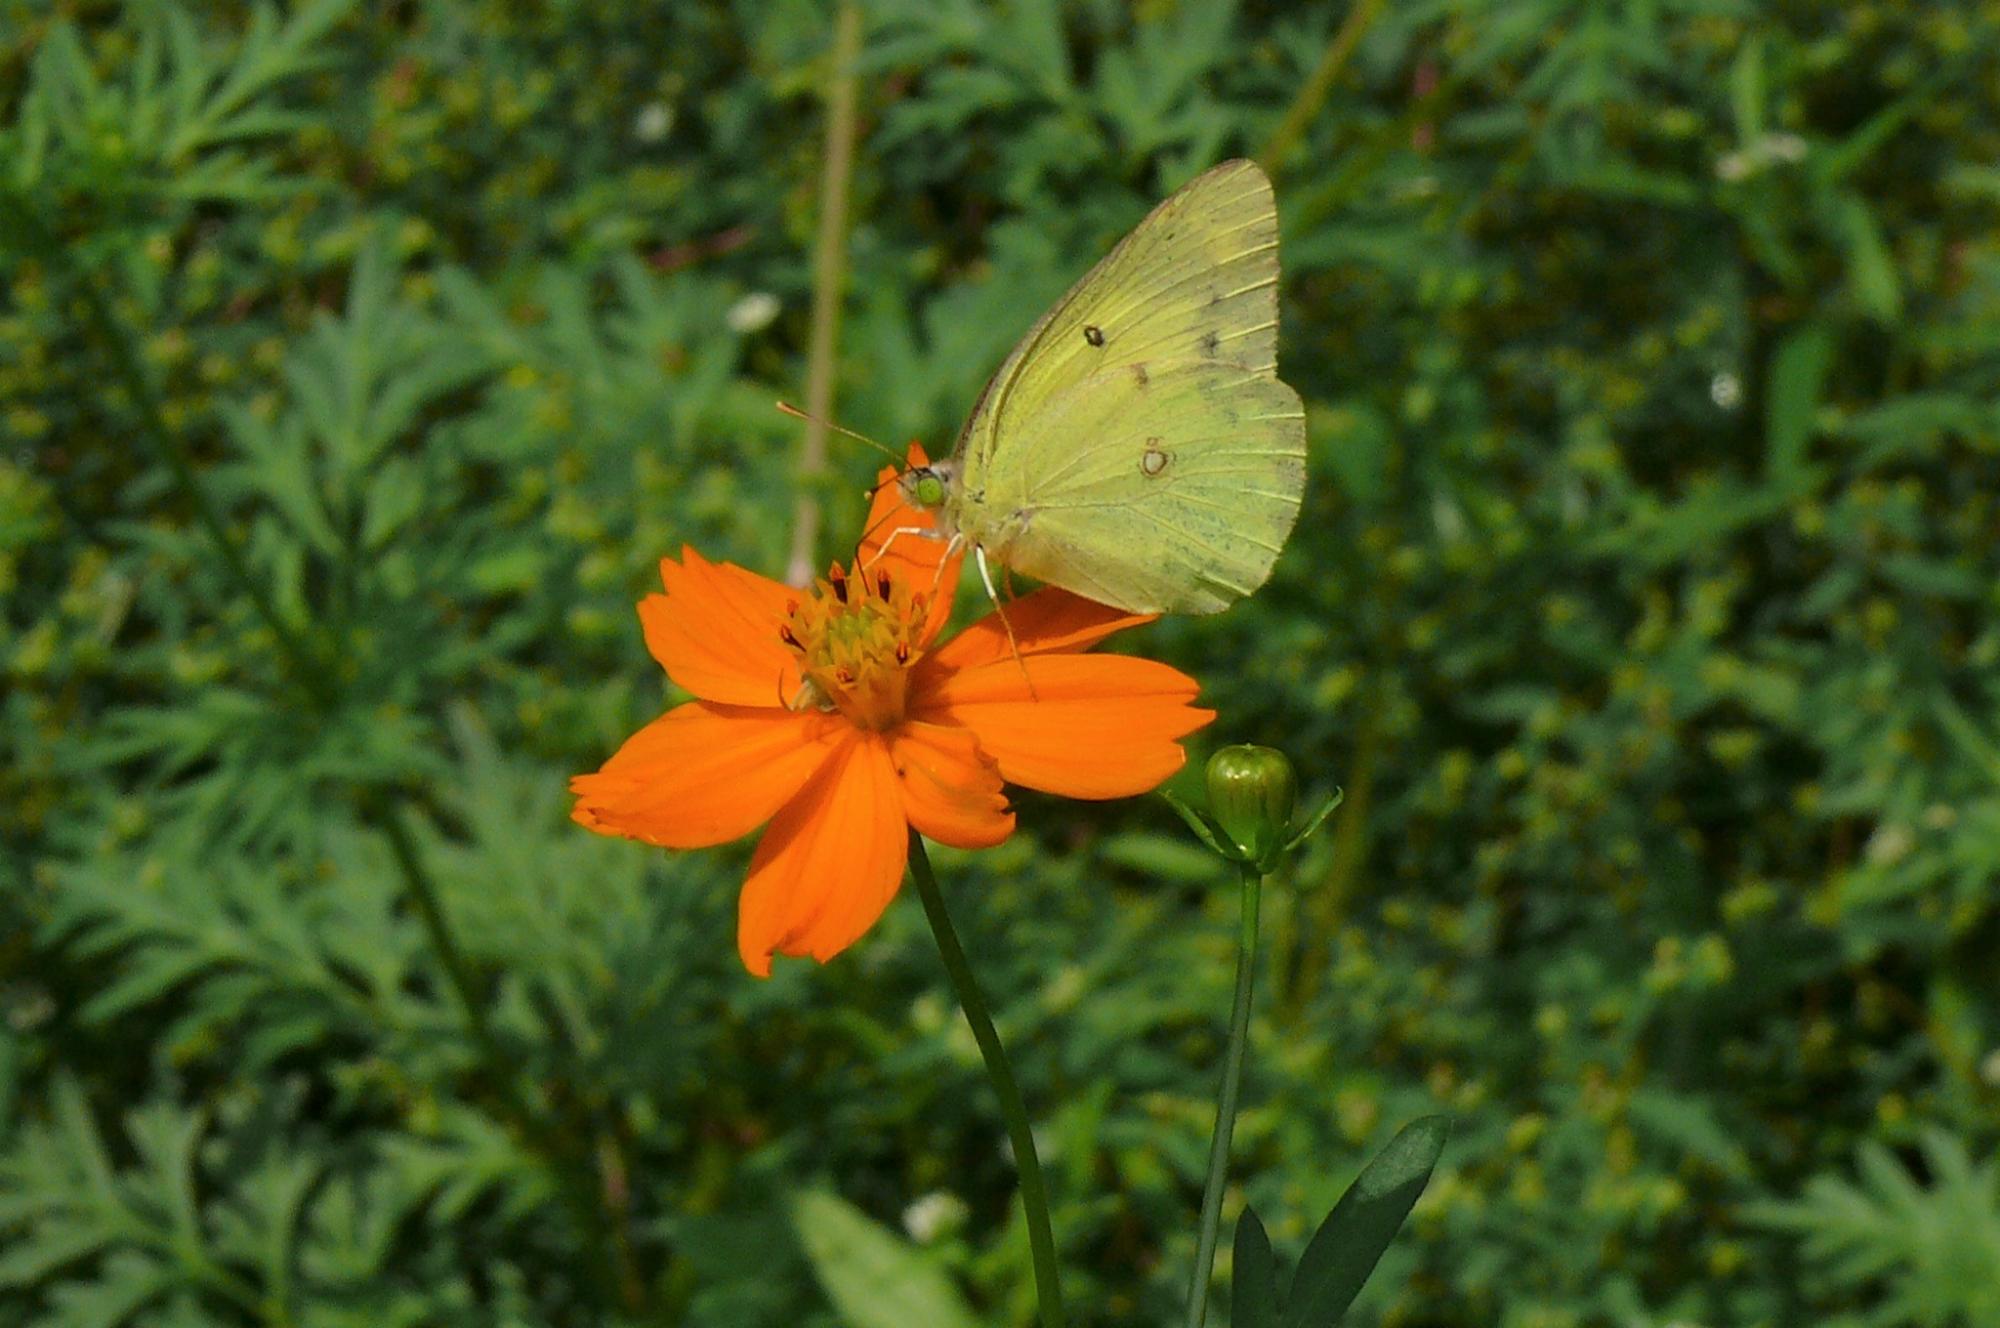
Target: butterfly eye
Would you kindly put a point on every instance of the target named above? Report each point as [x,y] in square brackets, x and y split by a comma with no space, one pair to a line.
[929,490]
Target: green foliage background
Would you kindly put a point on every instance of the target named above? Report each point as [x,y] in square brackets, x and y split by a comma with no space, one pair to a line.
[1644,604]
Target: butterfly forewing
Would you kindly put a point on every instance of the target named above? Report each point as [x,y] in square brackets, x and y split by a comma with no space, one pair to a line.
[1198,278]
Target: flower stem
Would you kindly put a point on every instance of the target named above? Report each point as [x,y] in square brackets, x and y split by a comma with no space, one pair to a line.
[1034,1193]
[829,278]
[1225,1102]
[1320,83]
[437,930]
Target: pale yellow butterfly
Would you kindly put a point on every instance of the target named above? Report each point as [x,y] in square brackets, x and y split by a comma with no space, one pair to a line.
[1137,447]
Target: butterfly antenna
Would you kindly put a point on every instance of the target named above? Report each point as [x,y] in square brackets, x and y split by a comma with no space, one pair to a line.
[789,409]
[886,517]
[880,522]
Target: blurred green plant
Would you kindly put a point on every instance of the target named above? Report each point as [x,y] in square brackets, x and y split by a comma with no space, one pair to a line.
[874,1277]
[176,119]
[1644,601]
[1930,1248]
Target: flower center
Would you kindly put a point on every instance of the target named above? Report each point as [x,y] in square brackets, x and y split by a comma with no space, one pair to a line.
[855,644]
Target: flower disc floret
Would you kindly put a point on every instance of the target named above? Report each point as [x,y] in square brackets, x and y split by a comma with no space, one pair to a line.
[856,645]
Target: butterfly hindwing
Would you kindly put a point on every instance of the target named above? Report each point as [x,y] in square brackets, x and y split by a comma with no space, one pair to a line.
[1174,494]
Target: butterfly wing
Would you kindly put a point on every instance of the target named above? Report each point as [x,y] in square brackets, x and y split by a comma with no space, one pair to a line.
[1167,489]
[1197,279]
[1171,337]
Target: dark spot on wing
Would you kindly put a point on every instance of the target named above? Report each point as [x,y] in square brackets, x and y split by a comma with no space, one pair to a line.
[1093,334]
[1153,462]
[1139,375]
[1210,343]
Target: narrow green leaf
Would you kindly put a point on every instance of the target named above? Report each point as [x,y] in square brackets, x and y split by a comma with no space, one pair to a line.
[1197,821]
[1159,855]
[49,1246]
[874,1278]
[13,1061]
[1871,272]
[1345,1249]
[1253,1299]
[1312,826]
[1858,148]
[1746,90]
[1798,375]
[79,1127]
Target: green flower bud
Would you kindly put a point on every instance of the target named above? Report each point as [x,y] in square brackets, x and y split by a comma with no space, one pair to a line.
[1252,793]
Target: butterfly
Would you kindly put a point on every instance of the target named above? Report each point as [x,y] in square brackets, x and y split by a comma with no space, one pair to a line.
[1137,447]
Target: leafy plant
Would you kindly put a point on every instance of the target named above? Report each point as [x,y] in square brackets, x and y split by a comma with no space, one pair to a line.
[179,119]
[1643,606]
[874,1278]
[1927,1237]
[1347,1245]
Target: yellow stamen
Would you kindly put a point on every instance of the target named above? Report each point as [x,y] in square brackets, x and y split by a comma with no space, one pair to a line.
[856,651]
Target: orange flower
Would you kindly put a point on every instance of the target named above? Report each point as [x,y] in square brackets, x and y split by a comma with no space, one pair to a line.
[828,713]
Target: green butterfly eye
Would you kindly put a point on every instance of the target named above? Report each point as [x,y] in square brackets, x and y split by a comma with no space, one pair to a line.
[929,490]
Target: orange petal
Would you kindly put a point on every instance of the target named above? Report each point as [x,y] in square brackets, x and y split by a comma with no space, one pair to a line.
[703,774]
[904,542]
[1097,726]
[1046,620]
[951,790]
[831,861]
[715,632]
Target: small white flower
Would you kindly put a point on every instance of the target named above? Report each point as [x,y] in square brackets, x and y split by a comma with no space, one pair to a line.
[1889,845]
[1447,519]
[1726,390]
[1783,147]
[654,122]
[1766,151]
[753,313]
[932,1215]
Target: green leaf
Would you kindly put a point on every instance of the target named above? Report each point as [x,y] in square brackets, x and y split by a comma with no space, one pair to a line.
[1345,1249]
[1747,90]
[1253,1300]
[1162,855]
[1798,375]
[873,1277]
[1318,819]
[1870,270]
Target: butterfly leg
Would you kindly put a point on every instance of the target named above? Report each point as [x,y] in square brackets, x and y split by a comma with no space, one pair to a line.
[921,532]
[1013,644]
[953,544]
[956,543]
